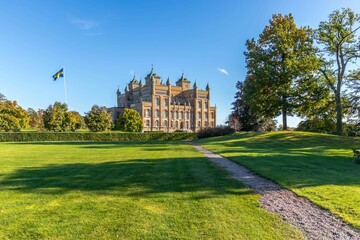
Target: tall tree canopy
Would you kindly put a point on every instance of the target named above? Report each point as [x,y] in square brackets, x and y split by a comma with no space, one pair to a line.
[12,116]
[130,121]
[340,47]
[281,64]
[55,116]
[98,119]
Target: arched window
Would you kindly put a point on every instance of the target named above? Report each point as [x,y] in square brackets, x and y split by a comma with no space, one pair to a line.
[157,123]
[157,113]
[176,115]
[147,123]
[166,123]
[181,115]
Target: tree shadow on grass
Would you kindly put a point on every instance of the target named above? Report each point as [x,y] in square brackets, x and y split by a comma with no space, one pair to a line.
[140,177]
[296,160]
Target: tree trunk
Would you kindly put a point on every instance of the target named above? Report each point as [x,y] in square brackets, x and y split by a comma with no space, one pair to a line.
[339,125]
[284,113]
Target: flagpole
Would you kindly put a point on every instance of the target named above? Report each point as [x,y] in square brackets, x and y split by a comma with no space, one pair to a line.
[65,87]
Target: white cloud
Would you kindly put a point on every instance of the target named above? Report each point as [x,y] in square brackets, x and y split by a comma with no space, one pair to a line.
[84,24]
[223,71]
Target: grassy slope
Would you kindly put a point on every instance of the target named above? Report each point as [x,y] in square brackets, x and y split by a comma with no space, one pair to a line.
[317,166]
[126,191]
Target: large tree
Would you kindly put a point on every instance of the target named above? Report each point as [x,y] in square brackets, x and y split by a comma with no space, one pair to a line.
[55,117]
[281,64]
[340,48]
[36,118]
[2,97]
[98,119]
[130,121]
[12,116]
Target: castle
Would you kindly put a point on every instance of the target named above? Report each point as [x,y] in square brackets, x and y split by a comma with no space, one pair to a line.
[164,107]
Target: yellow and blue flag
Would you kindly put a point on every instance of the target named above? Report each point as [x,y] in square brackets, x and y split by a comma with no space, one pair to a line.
[59,74]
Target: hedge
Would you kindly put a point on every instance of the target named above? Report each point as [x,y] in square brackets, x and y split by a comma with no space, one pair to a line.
[91,136]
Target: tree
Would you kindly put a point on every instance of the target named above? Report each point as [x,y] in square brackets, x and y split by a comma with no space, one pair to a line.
[340,46]
[130,121]
[241,118]
[2,97]
[73,121]
[12,116]
[281,64]
[55,117]
[36,118]
[98,119]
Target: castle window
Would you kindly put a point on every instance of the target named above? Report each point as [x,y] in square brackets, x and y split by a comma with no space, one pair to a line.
[212,115]
[147,113]
[187,115]
[165,123]
[157,113]
[176,115]
[199,115]
[171,124]
[157,123]
[166,114]
[199,104]
[191,124]
[177,124]
[157,101]
[147,123]
[166,103]
[199,124]
[205,105]
[191,115]
[181,115]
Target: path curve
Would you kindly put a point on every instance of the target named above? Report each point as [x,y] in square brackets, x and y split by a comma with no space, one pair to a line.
[313,221]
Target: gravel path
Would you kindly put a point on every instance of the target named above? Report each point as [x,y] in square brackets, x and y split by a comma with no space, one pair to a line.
[314,222]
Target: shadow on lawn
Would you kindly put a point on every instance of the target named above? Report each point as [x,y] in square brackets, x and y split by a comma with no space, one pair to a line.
[292,159]
[141,177]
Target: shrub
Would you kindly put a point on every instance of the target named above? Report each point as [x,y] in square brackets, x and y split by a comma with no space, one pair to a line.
[214,132]
[110,136]
[98,119]
[129,121]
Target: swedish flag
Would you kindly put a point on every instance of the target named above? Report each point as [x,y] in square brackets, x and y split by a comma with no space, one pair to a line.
[59,74]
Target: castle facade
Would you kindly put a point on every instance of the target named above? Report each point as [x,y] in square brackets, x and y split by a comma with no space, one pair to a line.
[164,107]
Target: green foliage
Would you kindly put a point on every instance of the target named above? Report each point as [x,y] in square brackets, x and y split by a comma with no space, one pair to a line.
[339,47]
[130,121]
[12,116]
[242,118]
[281,65]
[111,136]
[214,132]
[317,166]
[55,117]
[2,97]
[36,118]
[98,119]
[325,125]
[74,121]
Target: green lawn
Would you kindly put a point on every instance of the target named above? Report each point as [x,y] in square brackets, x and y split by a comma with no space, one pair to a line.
[163,190]
[317,166]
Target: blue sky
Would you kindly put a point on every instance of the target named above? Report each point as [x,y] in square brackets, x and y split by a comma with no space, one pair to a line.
[103,43]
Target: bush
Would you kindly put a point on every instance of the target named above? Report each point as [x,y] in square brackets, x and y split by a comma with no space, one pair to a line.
[214,132]
[91,136]
[129,121]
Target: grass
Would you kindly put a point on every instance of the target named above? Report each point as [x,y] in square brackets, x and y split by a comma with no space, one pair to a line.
[159,190]
[319,167]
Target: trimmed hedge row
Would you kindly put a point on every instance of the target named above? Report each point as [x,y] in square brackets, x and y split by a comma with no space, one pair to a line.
[92,136]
